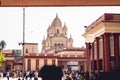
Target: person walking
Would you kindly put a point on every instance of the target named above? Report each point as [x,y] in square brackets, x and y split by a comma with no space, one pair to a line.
[7,75]
[30,75]
[27,75]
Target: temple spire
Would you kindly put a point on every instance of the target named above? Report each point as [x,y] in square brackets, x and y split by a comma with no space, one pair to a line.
[44,38]
[56,15]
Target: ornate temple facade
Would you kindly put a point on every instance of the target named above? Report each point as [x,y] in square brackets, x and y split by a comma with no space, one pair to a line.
[56,37]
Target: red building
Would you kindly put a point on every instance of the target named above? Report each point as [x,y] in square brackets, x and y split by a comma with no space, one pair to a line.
[103,43]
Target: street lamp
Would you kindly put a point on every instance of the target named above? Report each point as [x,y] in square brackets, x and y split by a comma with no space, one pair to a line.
[89,39]
[23,40]
[23,43]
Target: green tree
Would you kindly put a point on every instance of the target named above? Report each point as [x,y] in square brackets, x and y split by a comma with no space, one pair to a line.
[2,45]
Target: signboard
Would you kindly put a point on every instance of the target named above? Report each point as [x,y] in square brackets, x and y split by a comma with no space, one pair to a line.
[73,63]
[17,54]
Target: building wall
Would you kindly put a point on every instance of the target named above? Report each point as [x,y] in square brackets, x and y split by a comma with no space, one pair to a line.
[30,48]
[104,48]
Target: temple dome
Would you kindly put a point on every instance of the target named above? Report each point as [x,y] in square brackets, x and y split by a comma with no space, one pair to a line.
[71,39]
[43,41]
[64,27]
[56,22]
[49,28]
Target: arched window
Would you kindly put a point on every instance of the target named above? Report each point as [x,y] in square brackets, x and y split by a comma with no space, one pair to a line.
[26,50]
[52,32]
[62,45]
[55,45]
[58,44]
[57,31]
[48,45]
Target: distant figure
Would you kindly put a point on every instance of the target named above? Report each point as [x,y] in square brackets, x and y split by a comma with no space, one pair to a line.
[1,75]
[51,72]
[30,75]
[36,75]
[27,75]
[7,75]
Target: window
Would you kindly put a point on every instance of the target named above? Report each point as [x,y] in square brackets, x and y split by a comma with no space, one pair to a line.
[55,45]
[95,65]
[8,67]
[45,62]
[57,31]
[52,32]
[101,48]
[53,62]
[48,44]
[26,50]
[29,64]
[100,64]
[58,45]
[112,63]
[112,45]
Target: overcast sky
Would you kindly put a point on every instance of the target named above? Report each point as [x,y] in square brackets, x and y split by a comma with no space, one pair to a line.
[37,20]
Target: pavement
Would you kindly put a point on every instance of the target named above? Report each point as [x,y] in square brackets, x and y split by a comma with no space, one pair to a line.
[17,78]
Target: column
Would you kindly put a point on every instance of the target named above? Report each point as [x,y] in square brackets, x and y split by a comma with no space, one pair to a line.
[93,57]
[87,56]
[103,59]
[45,62]
[12,64]
[116,50]
[29,64]
[107,51]
[97,49]
[37,64]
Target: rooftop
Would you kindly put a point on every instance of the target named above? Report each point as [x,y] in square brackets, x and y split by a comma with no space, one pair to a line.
[107,17]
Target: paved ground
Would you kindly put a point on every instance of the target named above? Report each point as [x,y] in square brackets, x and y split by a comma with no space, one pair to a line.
[17,78]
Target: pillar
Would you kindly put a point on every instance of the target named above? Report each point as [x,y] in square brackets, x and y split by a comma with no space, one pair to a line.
[29,64]
[87,56]
[116,50]
[97,49]
[107,52]
[103,59]
[37,64]
[12,64]
[93,57]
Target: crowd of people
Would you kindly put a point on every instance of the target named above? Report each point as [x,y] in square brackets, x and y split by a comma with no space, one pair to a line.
[18,74]
[53,72]
[49,71]
[78,75]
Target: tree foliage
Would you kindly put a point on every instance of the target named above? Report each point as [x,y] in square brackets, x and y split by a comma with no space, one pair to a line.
[2,45]
[2,58]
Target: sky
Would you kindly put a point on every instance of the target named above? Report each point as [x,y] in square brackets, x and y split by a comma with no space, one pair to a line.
[38,19]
